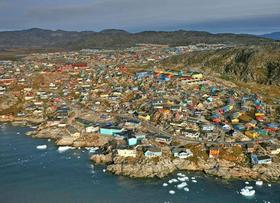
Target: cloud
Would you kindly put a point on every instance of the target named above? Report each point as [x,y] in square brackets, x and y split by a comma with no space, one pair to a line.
[130,14]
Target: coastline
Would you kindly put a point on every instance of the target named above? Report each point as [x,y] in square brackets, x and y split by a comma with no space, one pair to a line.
[159,167]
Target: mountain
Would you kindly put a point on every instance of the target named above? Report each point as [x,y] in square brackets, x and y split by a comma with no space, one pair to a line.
[36,38]
[260,64]
[273,35]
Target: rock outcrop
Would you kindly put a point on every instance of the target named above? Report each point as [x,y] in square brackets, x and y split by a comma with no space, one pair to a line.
[102,158]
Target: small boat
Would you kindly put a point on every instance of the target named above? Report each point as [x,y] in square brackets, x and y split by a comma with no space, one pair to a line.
[269,185]
[194,181]
[247,183]
[247,192]
[164,184]
[172,192]
[64,148]
[104,170]
[186,189]
[259,182]
[41,147]
[182,185]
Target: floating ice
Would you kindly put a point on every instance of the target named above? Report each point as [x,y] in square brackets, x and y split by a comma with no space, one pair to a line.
[181,174]
[164,184]
[172,192]
[182,179]
[182,185]
[249,187]
[247,192]
[92,149]
[259,182]
[41,147]
[64,148]
[186,189]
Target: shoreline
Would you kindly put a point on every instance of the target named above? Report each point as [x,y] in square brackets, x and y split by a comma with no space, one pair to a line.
[143,167]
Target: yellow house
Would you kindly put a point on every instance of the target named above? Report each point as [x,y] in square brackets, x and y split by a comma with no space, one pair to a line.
[144,117]
[126,152]
[234,120]
[259,114]
[197,76]
[251,134]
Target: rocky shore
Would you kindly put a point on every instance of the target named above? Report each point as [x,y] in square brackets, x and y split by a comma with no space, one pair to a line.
[144,167]
[162,167]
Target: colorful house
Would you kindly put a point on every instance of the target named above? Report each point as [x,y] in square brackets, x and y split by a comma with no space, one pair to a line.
[214,152]
[131,140]
[152,152]
[109,130]
[260,159]
[126,152]
[251,134]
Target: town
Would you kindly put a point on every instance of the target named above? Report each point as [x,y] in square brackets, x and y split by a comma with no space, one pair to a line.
[142,118]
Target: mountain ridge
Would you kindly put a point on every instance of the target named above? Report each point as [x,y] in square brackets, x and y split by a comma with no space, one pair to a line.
[116,38]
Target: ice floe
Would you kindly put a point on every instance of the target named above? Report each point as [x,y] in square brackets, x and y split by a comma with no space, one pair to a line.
[186,189]
[259,182]
[172,192]
[64,148]
[247,191]
[182,185]
[42,147]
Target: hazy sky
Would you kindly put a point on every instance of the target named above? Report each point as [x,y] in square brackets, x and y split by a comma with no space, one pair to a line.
[247,16]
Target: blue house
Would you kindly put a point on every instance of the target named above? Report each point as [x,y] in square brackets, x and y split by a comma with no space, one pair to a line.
[131,141]
[152,152]
[109,130]
[260,159]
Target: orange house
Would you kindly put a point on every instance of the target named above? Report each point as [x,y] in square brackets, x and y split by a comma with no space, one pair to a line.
[214,152]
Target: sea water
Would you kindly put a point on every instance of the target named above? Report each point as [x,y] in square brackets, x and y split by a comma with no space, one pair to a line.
[29,175]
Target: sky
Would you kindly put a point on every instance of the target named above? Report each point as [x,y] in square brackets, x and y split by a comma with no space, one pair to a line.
[237,16]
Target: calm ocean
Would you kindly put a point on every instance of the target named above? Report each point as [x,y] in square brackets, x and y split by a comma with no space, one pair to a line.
[29,175]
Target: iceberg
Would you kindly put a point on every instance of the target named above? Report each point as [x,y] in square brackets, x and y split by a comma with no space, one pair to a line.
[182,185]
[172,192]
[41,147]
[64,148]
[164,184]
[247,192]
[186,189]
[259,182]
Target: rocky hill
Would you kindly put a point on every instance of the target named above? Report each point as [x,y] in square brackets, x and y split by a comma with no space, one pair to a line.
[47,39]
[260,64]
